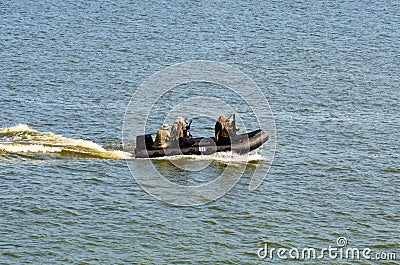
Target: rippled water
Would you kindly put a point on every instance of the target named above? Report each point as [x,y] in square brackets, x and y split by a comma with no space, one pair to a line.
[330,71]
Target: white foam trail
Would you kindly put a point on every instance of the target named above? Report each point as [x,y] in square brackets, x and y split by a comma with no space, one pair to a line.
[26,148]
[18,128]
[220,156]
[22,139]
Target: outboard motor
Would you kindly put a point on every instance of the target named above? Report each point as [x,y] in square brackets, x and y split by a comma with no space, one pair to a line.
[144,142]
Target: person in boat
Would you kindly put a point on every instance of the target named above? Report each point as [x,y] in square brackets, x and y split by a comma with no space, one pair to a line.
[225,130]
[177,129]
[180,134]
[163,137]
[231,127]
[221,134]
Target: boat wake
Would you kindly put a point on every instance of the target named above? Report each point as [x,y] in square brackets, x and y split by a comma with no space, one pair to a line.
[224,157]
[22,140]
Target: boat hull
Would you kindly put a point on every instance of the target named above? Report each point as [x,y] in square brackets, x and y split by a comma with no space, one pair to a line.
[240,144]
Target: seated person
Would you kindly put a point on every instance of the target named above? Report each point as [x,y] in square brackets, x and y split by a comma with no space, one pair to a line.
[162,137]
[231,127]
[177,129]
[221,134]
[180,134]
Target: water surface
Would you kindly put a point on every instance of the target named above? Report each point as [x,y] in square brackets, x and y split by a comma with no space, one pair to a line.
[329,70]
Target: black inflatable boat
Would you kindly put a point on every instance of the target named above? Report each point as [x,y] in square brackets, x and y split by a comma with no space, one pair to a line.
[240,144]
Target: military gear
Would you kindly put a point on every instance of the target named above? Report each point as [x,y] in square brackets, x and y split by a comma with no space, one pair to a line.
[162,136]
